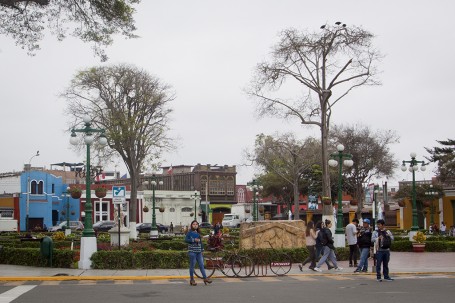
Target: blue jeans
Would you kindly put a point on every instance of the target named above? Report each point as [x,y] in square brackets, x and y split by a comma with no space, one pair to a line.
[363,263]
[328,253]
[382,257]
[196,257]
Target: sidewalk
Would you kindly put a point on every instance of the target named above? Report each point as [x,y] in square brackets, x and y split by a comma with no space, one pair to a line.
[400,263]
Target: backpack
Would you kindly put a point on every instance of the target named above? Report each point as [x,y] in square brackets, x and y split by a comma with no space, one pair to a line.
[386,241]
[321,238]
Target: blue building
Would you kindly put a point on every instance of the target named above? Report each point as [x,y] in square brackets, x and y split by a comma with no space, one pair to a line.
[45,200]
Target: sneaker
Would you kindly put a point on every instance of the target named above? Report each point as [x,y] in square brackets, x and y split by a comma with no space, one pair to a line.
[364,270]
[317,269]
[388,279]
[357,270]
[339,268]
[379,279]
[330,267]
[312,268]
[300,267]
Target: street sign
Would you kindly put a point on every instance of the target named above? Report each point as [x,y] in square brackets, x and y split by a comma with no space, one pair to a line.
[117,200]
[118,191]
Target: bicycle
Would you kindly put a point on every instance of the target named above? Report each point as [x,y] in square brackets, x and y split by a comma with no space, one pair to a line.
[280,262]
[230,263]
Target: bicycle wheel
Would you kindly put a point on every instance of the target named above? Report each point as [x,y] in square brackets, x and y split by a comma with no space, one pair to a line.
[281,265]
[225,265]
[242,266]
[209,265]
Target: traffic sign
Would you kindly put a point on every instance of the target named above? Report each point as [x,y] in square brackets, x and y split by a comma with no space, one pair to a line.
[118,200]
[118,191]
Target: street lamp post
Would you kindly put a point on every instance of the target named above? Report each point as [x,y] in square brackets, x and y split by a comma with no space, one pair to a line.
[255,187]
[431,194]
[413,167]
[337,160]
[88,239]
[375,205]
[67,228]
[27,206]
[154,230]
[196,197]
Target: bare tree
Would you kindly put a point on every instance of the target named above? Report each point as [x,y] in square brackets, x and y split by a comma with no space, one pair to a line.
[327,65]
[94,21]
[288,158]
[132,106]
[371,155]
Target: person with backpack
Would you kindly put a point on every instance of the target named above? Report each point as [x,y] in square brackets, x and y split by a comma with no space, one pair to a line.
[382,240]
[364,242]
[328,249]
[319,245]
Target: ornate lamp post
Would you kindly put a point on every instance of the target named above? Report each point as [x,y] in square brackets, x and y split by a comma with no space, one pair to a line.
[27,206]
[67,228]
[413,167]
[153,184]
[431,194]
[88,239]
[196,197]
[255,187]
[337,160]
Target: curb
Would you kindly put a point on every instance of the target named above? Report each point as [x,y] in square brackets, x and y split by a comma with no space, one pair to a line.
[150,278]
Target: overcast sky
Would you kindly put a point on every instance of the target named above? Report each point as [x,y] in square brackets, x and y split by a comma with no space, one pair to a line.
[207,51]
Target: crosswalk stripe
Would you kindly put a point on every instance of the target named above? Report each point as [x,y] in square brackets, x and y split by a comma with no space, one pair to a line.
[304,278]
[229,280]
[268,279]
[15,292]
[339,278]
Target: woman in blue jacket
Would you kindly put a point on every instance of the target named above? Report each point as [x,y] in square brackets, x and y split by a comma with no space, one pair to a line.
[195,249]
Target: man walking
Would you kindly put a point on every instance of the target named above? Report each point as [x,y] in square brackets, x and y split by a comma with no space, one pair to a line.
[364,243]
[382,239]
[351,237]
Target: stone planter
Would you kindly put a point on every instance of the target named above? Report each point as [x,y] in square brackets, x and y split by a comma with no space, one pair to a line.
[418,247]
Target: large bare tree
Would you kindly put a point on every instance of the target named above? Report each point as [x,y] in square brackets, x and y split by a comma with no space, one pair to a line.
[288,158]
[323,67]
[371,154]
[94,21]
[133,107]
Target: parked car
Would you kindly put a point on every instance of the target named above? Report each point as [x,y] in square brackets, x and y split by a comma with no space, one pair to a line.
[206,225]
[147,227]
[103,225]
[74,225]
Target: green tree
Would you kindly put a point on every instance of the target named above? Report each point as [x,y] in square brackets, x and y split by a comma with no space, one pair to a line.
[93,21]
[289,159]
[371,155]
[323,67]
[445,157]
[132,106]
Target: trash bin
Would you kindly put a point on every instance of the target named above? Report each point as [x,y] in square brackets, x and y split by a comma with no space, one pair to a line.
[46,249]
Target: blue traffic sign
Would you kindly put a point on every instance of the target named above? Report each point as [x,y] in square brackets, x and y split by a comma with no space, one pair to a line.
[118,191]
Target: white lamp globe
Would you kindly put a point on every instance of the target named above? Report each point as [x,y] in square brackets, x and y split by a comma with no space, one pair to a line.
[423,167]
[333,162]
[413,155]
[86,119]
[88,139]
[403,168]
[340,147]
[73,140]
[102,140]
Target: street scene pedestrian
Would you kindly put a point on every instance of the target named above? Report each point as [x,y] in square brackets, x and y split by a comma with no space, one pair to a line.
[195,249]
[382,240]
[328,248]
[442,229]
[310,238]
[351,237]
[319,247]
[364,243]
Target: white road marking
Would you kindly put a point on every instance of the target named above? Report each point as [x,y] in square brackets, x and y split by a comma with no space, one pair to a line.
[15,292]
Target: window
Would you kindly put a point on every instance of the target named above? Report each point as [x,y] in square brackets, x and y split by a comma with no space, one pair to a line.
[33,187]
[53,188]
[6,213]
[230,186]
[187,209]
[40,187]
[241,195]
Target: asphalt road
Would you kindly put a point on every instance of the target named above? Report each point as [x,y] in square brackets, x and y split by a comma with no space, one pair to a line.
[356,288]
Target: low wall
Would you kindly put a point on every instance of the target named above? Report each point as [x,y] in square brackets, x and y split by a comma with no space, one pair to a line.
[280,234]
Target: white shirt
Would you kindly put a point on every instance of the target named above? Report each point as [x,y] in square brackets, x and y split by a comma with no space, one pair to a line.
[351,234]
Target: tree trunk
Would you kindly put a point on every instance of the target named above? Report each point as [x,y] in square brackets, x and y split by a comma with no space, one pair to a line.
[327,209]
[296,199]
